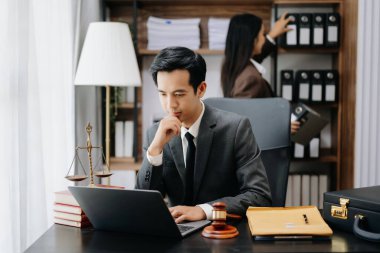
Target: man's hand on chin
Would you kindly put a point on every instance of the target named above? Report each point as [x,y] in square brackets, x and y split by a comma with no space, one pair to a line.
[188,213]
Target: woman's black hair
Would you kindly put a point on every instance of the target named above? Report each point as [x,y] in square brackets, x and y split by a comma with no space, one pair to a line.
[242,33]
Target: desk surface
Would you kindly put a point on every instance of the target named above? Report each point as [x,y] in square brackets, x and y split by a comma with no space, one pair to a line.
[68,239]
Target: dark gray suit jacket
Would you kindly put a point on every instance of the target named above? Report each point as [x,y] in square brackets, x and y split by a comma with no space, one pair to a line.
[228,166]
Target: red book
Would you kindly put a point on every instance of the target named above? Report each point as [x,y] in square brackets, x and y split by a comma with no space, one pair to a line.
[70,216]
[65,197]
[71,223]
[67,208]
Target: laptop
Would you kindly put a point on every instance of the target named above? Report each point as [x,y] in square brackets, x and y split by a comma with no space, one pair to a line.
[131,211]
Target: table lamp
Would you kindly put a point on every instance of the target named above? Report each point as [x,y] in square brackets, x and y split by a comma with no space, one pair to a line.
[108,58]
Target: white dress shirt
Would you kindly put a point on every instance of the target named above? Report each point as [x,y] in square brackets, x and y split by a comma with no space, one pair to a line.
[193,130]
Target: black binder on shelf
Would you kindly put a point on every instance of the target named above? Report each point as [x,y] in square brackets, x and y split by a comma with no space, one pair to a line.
[303,85]
[318,29]
[287,85]
[304,30]
[316,87]
[332,30]
[331,80]
[311,124]
[290,39]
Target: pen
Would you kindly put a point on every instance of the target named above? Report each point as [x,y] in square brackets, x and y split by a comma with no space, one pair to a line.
[305,218]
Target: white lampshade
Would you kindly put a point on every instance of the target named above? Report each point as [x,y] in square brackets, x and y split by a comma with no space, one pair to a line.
[108,57]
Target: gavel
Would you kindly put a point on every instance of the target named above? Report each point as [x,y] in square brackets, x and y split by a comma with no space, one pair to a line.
[218,228]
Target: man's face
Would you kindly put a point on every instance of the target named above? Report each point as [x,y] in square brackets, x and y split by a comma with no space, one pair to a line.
[177,95]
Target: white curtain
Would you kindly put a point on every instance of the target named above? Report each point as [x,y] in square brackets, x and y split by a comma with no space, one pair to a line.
[367,137]
[36,114]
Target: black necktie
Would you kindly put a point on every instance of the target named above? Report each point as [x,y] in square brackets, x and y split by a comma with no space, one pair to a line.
[190,161]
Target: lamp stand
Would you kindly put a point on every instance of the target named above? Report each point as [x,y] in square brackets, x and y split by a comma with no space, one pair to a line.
[108,97]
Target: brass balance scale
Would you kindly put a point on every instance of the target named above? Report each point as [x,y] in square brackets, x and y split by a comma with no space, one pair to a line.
[105,172]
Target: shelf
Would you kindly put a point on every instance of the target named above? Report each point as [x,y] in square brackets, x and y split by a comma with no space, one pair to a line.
[317,106]
[309,50]
[322,159]
[202,51]
[189,2]
[309,2]
[327,155]
[124,163]
[126,105]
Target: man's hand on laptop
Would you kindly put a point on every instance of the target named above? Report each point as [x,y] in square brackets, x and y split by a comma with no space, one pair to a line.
[188,213]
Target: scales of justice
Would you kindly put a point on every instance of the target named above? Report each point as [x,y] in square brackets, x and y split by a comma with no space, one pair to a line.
[105,172]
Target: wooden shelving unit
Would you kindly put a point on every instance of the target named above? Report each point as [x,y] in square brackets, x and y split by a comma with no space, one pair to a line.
[339,158]
[136,13]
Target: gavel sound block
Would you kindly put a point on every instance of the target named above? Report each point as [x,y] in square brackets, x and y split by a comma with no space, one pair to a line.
[218,228]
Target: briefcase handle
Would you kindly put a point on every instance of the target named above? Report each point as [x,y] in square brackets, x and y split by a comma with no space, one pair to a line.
[361,233]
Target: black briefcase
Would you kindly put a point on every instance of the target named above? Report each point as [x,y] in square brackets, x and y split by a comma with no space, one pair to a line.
[356,210]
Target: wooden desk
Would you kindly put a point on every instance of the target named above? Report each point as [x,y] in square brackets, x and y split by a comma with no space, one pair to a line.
[68,239]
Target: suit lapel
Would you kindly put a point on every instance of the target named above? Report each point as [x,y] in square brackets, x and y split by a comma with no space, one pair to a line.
[205,137]
[176,148]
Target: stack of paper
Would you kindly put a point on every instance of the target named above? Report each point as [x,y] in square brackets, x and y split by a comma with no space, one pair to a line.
[173,32]
[217,32]
[272,222]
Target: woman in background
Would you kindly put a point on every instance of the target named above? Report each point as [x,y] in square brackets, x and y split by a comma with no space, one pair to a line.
[246,47]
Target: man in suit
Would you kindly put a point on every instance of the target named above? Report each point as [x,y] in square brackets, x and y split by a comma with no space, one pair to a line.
[198,155]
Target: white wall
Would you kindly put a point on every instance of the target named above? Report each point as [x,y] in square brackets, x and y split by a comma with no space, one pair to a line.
[367,138]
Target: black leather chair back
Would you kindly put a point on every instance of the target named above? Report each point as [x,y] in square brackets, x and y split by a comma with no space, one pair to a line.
[270,120]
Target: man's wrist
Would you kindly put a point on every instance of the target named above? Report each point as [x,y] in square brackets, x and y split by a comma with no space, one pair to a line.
[207,209]
[154,150]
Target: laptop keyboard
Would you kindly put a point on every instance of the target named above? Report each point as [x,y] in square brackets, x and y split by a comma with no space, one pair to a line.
[184,228]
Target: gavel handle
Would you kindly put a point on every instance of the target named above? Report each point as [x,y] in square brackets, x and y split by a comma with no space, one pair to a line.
[234,216]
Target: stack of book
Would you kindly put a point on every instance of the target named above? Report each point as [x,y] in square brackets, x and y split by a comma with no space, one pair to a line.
[217,32]
[173,32]
[68,212]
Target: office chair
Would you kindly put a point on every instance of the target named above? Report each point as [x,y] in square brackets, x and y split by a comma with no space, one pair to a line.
[270,120]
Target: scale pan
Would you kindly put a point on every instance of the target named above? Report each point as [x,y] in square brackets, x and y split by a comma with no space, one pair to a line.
[76,178]
[103,174]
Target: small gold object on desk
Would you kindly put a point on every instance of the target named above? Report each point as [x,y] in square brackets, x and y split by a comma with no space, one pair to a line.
[218,228]
[89,147]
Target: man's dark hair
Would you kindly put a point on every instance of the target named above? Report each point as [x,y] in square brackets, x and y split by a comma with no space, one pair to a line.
[173,58]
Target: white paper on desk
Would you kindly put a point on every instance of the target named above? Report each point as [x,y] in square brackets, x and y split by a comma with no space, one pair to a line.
[291,36]
[304,91]
[316,92]
[304,36]
[332,34]
[318,36]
